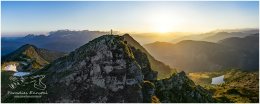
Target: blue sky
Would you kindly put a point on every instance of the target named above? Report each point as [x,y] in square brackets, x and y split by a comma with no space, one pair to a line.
[171,16]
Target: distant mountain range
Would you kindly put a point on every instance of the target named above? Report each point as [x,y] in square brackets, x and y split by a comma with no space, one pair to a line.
[68,40]
[217,35]
[190,55]
[61,40]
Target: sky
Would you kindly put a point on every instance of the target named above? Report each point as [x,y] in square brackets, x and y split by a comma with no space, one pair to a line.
[127,16]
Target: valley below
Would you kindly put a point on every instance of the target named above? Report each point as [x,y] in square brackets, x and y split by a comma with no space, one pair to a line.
[239,86]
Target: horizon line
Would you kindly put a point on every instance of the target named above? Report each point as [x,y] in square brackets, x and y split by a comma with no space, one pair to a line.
[46,33]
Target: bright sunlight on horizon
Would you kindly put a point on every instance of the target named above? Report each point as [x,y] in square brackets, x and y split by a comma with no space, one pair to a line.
[143,17]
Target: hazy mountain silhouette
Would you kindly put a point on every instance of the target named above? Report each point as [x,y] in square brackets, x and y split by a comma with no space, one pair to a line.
[217,35]
[248,45]
[61,40]
[67,40]
[191,55]
[223,35]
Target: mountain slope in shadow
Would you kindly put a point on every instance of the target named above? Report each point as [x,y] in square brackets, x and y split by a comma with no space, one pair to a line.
[192,55]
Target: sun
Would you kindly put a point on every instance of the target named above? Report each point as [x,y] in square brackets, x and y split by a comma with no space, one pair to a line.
[163,22]
[163,29]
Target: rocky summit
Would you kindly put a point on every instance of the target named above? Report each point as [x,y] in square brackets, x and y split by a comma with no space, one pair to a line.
[107,69]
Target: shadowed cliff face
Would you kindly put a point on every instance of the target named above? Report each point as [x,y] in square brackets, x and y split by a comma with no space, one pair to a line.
[107,69]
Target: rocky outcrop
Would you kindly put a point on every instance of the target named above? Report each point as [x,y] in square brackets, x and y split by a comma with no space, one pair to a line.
[180,89]
[148,90]
[104,70]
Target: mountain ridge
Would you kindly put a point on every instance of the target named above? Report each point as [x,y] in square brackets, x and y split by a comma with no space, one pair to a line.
[191,55]
[31,57]
[162,69]
[107,69]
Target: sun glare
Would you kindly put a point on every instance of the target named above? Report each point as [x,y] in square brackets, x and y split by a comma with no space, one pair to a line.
[163,28]
[163,22]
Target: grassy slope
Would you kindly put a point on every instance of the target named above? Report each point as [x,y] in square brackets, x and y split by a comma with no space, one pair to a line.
[239,86]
